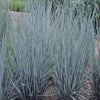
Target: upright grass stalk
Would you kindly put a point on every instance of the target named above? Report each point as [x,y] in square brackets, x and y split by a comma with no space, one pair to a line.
[4,83]
[3,22]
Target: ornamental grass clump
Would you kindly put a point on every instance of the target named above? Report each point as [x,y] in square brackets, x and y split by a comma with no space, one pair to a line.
[31,56]
[72,53]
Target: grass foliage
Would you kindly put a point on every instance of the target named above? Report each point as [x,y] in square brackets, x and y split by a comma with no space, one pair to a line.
[47,45]
[3,23]
[72,53]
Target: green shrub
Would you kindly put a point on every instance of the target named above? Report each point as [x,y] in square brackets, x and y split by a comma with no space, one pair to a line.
[17,5]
